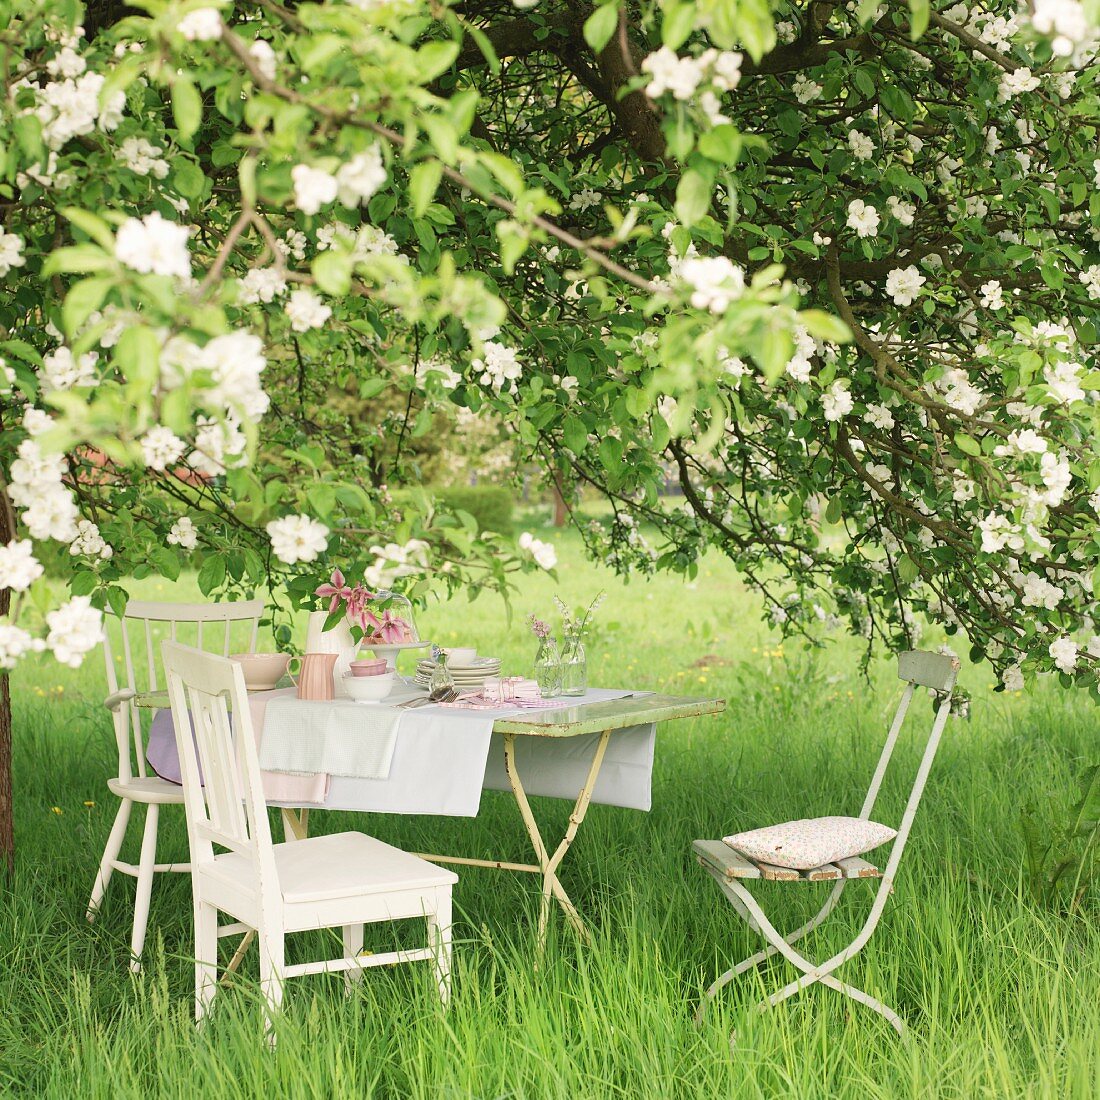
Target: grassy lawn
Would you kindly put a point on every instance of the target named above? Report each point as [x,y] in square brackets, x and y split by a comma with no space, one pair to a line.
[1003,998]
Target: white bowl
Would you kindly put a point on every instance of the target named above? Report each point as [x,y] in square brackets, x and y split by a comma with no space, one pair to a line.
[460,656]
[369,689]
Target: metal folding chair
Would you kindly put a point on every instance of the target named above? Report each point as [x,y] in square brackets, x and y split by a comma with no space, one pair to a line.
[731,870]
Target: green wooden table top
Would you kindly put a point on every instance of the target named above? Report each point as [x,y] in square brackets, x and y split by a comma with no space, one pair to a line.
[571,721]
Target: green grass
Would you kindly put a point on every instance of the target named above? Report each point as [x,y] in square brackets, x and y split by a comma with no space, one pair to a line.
[1003,998]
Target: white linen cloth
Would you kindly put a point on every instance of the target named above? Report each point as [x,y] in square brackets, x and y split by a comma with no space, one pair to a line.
[444,757]
[337,737]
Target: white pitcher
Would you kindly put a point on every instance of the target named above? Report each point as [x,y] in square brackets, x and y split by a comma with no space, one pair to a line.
[338,640]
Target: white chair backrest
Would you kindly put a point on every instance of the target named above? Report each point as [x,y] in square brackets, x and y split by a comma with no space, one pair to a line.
[232,627]
[931,670]
[226,807]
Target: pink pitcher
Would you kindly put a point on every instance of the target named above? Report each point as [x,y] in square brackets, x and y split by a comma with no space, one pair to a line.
[315,675]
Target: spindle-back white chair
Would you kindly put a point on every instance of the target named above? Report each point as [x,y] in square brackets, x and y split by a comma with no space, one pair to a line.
[232,627]
[343,880]
[731,869]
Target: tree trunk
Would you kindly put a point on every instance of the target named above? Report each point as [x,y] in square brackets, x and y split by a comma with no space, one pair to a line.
[7,819]
[561,511]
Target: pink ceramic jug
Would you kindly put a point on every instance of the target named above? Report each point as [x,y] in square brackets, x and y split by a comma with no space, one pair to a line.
[315,675]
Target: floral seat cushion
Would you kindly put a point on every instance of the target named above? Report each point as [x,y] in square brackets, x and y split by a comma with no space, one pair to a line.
[811,842]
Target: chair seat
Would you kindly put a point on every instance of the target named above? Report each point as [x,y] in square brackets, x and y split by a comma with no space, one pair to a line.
[341,865]
[150,789]
[722,861]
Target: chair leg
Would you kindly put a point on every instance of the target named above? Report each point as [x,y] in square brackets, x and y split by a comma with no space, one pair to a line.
[144,884]
[110,854]
[271,980]
[206,957]
[766,952]
[353,944]
[439,939]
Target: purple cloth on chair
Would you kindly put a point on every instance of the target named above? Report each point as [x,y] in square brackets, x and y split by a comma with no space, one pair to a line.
[161,750]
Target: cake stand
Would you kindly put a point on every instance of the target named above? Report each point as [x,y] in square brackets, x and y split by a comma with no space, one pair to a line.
[390,651]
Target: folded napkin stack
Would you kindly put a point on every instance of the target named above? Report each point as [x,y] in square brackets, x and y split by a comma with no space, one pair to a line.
[510,689]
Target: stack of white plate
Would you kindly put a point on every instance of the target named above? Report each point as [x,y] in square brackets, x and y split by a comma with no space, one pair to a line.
[470,676]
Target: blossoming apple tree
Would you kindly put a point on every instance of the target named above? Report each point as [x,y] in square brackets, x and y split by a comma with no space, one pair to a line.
[833,266]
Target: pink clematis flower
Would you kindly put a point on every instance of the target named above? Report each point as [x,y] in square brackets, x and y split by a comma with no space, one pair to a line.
[337,589]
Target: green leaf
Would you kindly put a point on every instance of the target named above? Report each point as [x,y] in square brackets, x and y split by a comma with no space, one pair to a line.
[83,583]
[137,355]
[575,434]
[186,107]
[967,444]
[117,600]
[600,25]
[212,573]
[423,182]
[825,326]
[332,272]
[167,562]
[919,10]
[434,59]
[678,23]
[83,299]
[692,197]
[91,224]
[77,259]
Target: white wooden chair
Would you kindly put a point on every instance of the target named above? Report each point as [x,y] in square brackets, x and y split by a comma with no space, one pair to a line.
[142,627]
[344,880]
[731,869]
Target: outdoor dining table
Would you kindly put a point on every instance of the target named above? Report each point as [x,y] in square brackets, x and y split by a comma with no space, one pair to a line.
[553,733]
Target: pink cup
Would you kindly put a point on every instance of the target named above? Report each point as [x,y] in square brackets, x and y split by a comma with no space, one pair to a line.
[368,666]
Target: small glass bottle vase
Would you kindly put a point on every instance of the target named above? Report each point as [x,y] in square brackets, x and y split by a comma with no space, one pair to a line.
[547,670]
[574,668]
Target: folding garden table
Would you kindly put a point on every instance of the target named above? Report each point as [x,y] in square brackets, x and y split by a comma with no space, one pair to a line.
[601,719]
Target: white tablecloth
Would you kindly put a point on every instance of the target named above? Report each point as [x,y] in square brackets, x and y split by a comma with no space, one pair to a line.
[444,757]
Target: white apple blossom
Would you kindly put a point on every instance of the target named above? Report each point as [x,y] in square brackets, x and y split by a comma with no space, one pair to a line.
[19,568]
[879,416]
[546,557]
[500,366]
[313,188]
[991,295]
[1064,651]
[36,421]
[89,543]
[1039,592]
[184,534]
[360,177]
[1090,277]
[903,284]
[1015,83]
[153,245]
[14,643]
[261,284]
[806,90]
[1065,22]
[236,361]
[837,402]
[161,447]
[670,73]
[264,56]
[716,281]
[726,70]
[1013,678]
[11,252]
[61,370]
[862,218]
[863,148]
[201,25]
[306,310]
[219,444]
[297,539]
[904,212]
[999,532]
[142,157]
[75,628]
[584,199]
[1064,381]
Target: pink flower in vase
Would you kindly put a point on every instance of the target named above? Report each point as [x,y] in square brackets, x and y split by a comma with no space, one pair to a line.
[391,629]
[337,589]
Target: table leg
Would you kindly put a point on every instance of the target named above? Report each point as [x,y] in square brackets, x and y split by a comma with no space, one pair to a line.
[295,825]
[551,885]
